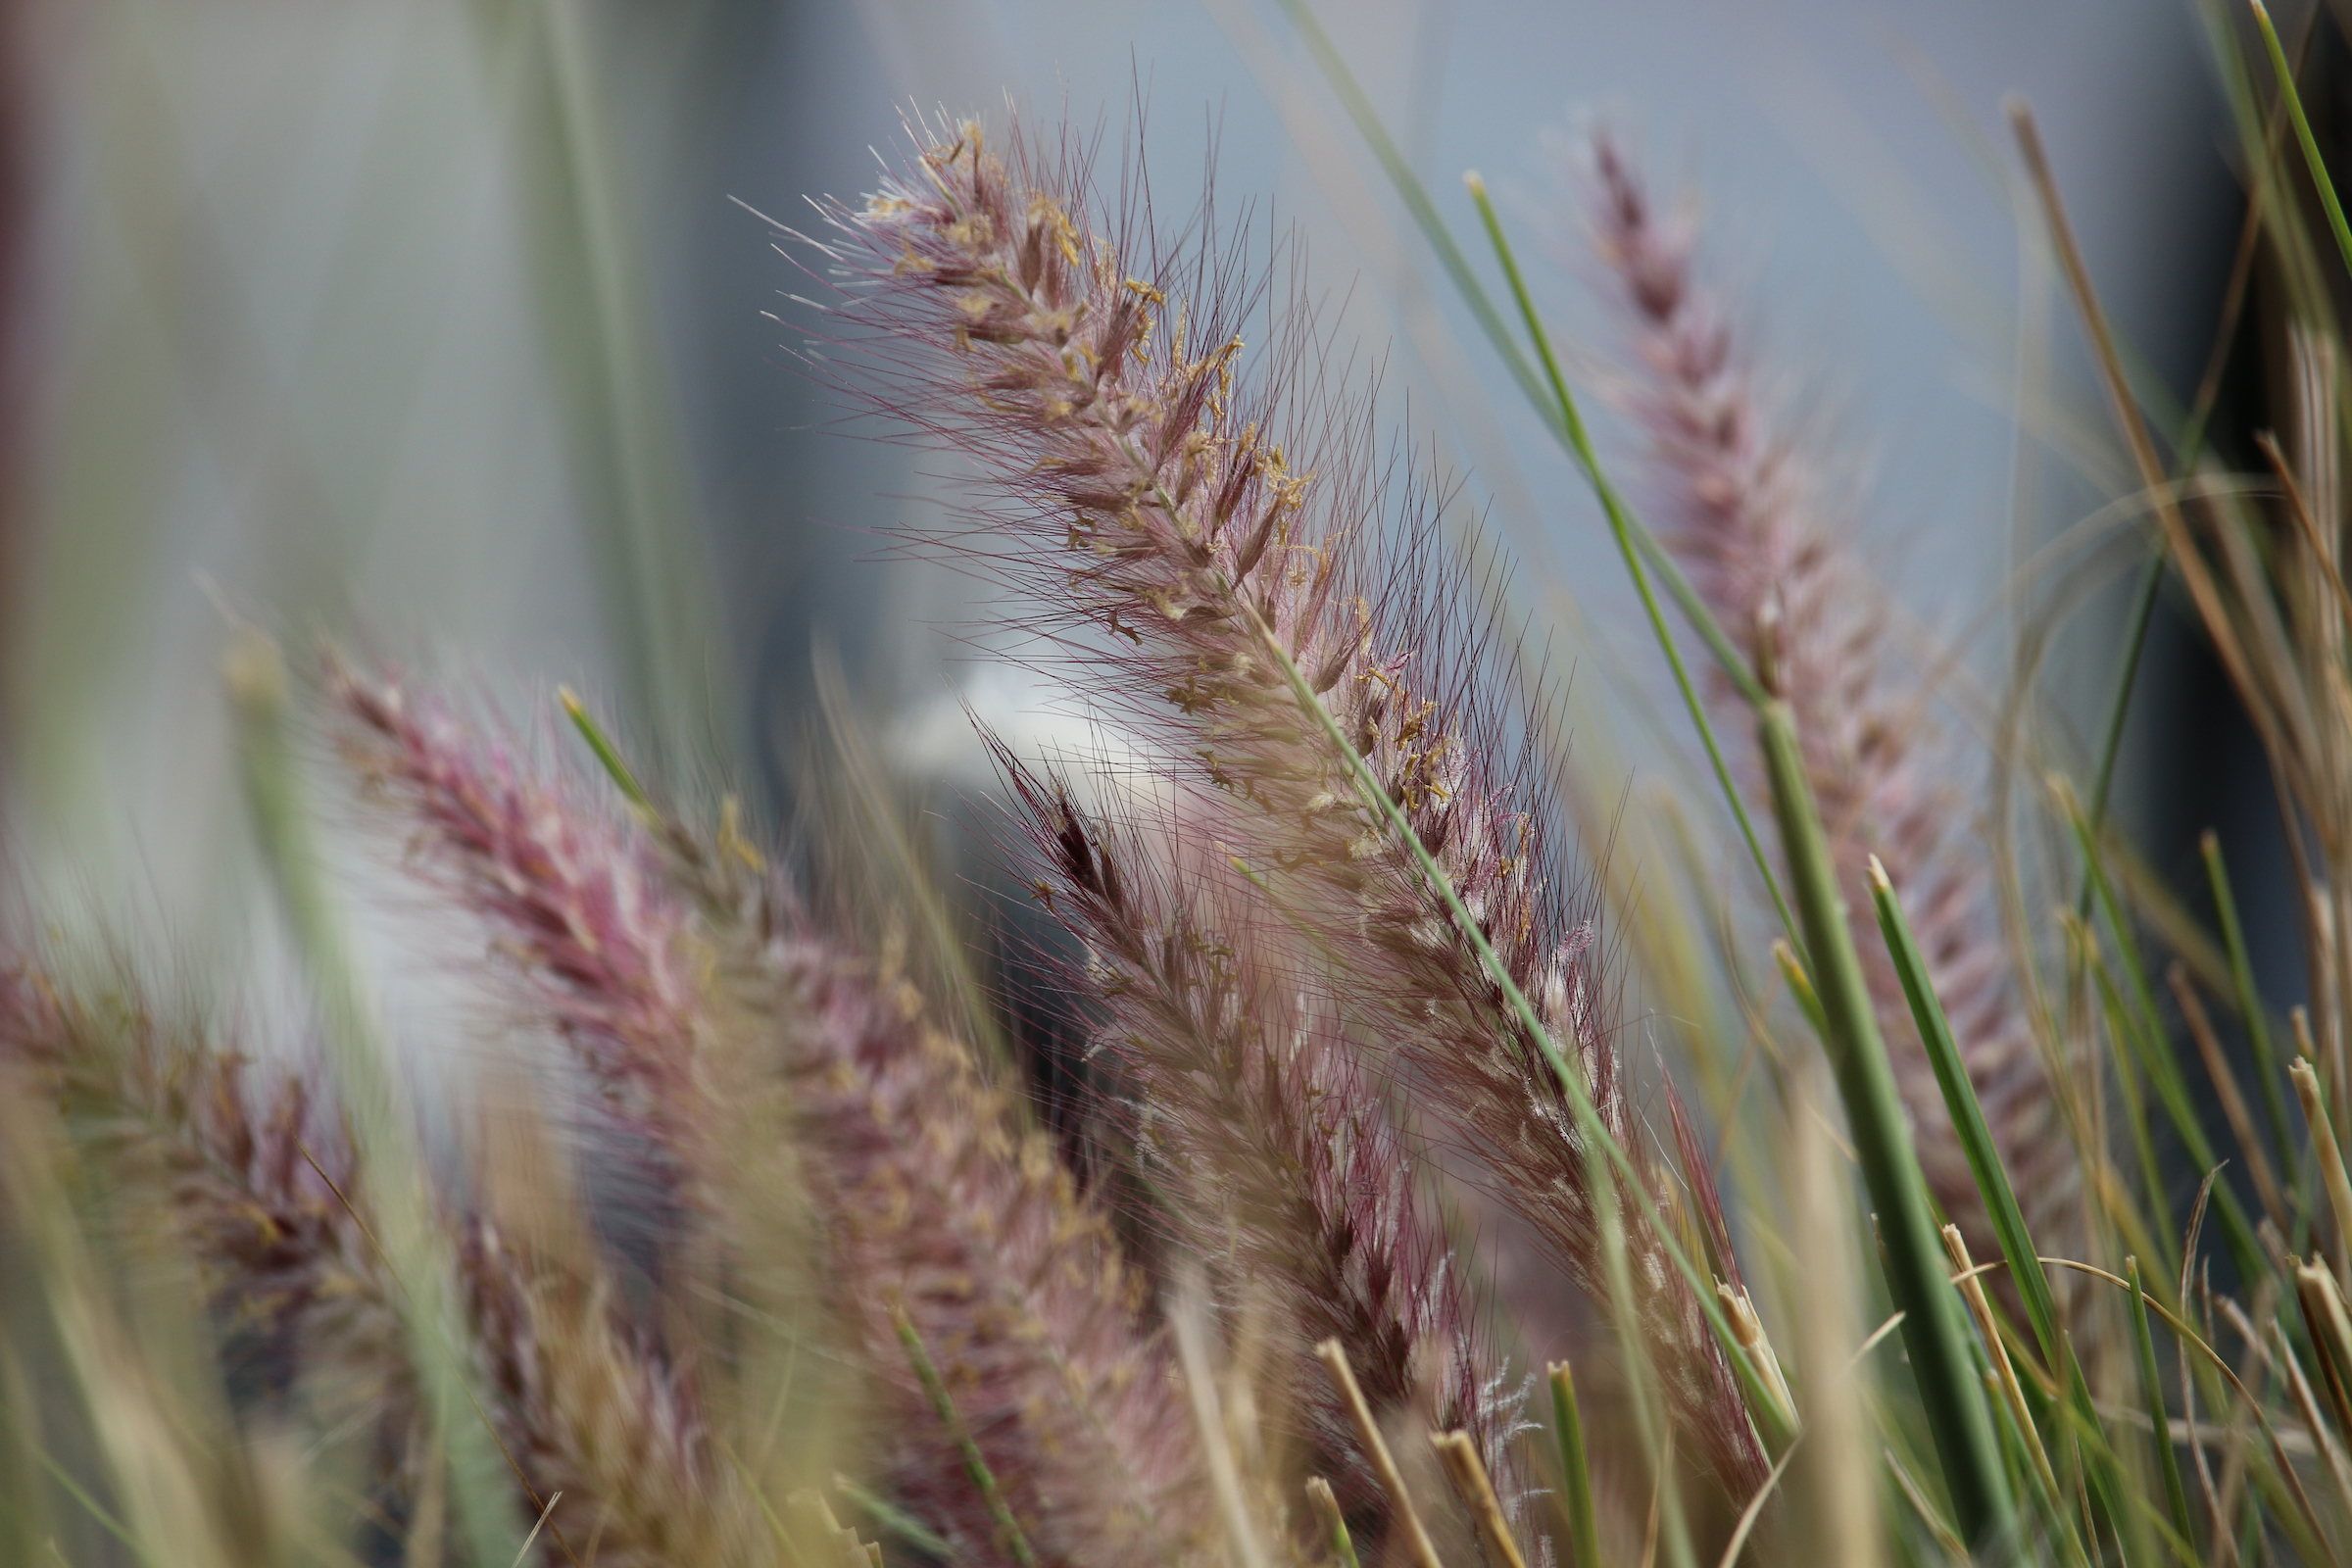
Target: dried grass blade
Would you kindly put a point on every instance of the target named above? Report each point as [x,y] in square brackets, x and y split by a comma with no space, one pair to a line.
[2323,1144]
[1319,1497]
[2306,1402]
[2189,1336]
[2233,1101]
[1421,1548]
[1756,1510]
[1477,1489]
[2331,1330]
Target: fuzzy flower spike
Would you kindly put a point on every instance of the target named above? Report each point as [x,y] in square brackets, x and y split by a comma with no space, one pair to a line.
[1743,519]
[1237,601]
[1282,1161]
[941,1218]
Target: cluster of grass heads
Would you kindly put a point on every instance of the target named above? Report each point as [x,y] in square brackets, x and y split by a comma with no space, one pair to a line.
[759,1253]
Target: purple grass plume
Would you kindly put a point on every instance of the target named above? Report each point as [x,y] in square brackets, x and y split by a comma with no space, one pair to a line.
[1221,584]
[1741,511]
[577,897]
[1280,1162]
[931,1197]
[941,1207]
[249,1172]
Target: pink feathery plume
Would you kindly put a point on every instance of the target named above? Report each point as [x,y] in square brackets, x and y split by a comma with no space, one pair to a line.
[931,1199]
[1287,1168]
[939,1207]
[577,897]
[1220,588]
[1740,513]
[580,903]
[251,1174]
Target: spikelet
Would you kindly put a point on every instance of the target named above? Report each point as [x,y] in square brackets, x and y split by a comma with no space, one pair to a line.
[1280,1160]
[1191,555]
[1741,514]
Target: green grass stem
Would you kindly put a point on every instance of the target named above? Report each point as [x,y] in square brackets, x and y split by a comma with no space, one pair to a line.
[2141,1031]
[975,1463]
[1917,1277]
[2249,1002]
[607,754]
[1568,1430]
[2151,1388]
[2302,123]
[1638,546]
[384,1124]
[1969,1126]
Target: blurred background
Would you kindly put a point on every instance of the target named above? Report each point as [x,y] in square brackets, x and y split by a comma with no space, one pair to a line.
[451,328]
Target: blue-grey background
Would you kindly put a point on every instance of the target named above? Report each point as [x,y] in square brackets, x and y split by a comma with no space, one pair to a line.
[433,324]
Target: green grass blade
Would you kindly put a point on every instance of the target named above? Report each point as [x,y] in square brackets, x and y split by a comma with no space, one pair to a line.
[1635,544]
[1916,1273]
[1584,1520]
[417,1252]
[2302,125]
[1969,1126]
[2141,1031]
[2151,1384]
[2249,1002]
[975,1463]
[607,754]
[891,1517]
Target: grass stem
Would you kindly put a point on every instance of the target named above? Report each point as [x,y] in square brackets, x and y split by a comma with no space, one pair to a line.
[1916,1277]
[1421,1550]
[1568,1430]
[975,1463]
[383,1121]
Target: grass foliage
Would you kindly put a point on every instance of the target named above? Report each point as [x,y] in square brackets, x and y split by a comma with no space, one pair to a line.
[1973,1204]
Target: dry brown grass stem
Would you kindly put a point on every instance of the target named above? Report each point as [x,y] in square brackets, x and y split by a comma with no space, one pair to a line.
[1422,1550]
[1477,1491]
[2225,1089]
